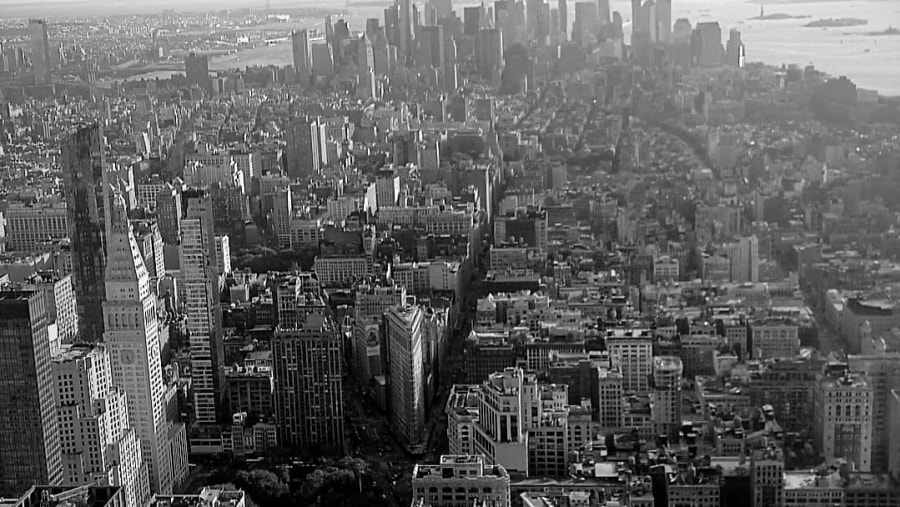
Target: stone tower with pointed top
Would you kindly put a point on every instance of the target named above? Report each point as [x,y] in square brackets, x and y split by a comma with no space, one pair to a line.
[132,337]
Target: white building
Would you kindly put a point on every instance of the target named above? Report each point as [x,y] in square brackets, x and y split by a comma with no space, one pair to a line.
[97,441]
[204,317]
[132,337]
[665,268]
[223,254]
[631,350]
[30,225]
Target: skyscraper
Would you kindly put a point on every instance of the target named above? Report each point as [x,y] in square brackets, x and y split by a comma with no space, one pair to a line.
[489,54]
[563,16]
[472,19]
[637,25]
[664,21]
[302,55]
[586,22]
[204,315]
[303,148]
[105,444]
[533,15]
[407,36]
[132,337]
[29,428]
[87,204]
[648,20]
[603,12]
[309,404]
[196,68]
[404,351]
[168,213]
[734,49]
[431,47]
[706,44]
[40,51]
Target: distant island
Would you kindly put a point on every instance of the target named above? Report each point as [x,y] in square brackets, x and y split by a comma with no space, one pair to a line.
[777,16]
[836,22]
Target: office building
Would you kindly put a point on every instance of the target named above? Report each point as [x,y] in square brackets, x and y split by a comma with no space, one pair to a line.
[562,16]
[789,386]
[489,54]
[472,19]
[774,338]
[406,27]
[87,203]
[404,351]
[587,23]
[309,403]
[387,189]
[430,51]
[631,351]
[843,419]
[59,299]
[29,427]
[525,229]
[665,396]
[196,68]
[168,213]
[149,239]
[706,44]
[734,50]
[57,496]
[371,303]
[204,314]
[98,444]
[883,371]
[743,256]
[604,14]
[282,215]
[664,21]
[132,338]
[40,51]
[460,480]
[302,55]
[297,296]
[251,390]
[304,146]
[322,60]
[32,226]
[649,25]
[637,21]
[767,477]
[223,256]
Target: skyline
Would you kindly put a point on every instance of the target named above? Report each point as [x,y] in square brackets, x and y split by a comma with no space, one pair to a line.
[510,257]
